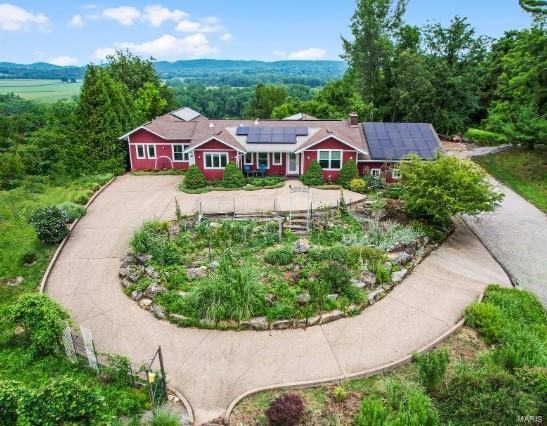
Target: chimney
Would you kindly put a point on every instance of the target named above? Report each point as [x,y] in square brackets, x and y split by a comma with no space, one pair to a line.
[353,119]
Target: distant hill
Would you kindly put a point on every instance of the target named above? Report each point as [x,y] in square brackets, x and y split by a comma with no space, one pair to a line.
[205,71]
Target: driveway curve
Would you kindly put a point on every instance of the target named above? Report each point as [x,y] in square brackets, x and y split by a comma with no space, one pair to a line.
[213,368]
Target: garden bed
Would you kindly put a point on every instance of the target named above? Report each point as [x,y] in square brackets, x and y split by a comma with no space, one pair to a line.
[255,274]
[248,184]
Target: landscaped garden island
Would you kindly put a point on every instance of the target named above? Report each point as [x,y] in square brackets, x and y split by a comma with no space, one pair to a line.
[254,273]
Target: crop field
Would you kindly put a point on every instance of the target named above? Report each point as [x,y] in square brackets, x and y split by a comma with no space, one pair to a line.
[40,90]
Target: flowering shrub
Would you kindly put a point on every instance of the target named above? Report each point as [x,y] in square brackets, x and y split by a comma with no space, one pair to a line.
[50,224]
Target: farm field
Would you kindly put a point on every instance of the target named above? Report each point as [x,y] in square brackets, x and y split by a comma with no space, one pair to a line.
[41,90]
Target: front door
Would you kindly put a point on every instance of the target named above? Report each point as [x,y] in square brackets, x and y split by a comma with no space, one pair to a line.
[293,163]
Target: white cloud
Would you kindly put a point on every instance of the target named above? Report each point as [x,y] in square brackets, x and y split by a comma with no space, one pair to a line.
[205,25]
[63,60]
[14,18]
[279,53]
[226,36]
[77,21]
[125,15]
[156,15]
[167,46]
[311,53]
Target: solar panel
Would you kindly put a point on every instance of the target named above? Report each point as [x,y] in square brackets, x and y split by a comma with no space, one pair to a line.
[393,141]
[262,134]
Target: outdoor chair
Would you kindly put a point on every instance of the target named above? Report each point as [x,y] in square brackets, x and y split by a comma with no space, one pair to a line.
[261,169]
[247,170]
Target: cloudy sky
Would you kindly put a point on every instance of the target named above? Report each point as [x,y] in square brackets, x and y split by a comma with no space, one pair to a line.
[74,33]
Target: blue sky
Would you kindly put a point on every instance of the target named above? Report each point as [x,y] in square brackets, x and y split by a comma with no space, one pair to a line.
[72,32]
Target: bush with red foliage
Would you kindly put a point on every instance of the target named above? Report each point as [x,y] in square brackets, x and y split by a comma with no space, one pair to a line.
[287,410]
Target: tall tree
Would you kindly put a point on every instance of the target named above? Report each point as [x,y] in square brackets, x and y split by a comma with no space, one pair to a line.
[105,113]
[373,26]
[265,99]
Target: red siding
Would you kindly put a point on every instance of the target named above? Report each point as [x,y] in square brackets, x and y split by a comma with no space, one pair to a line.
[311,154]
[164,152]
[385,167]
[274,169]
[213,146]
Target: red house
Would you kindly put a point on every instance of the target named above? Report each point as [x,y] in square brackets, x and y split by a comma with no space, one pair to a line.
[276,147]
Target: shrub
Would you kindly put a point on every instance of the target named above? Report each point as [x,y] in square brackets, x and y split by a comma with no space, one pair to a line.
[485,137]
[72,210]
[336,252]
[50,224]
[162,416]
[28,257]
[358,185]
[448,186]
[287,410]
[340,394]
[279,255]
[347,173]
[337,276]
[372,412]
[281,310]
[385,235]
[232,293]
[432,368]
[41,318]
[487,319]
[10,392]
[194,178]
[233,177]
[313,175]
[382,272]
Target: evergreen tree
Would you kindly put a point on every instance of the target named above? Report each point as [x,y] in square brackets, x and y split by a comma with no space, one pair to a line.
[265,99]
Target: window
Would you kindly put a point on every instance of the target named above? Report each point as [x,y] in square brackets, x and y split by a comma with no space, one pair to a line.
[248,159]
[396,174]
[361,156]
[375,173]
[276,159]
[330,160]
[216,160]
[179,154]
[262,158]
[140,151]
[151,151]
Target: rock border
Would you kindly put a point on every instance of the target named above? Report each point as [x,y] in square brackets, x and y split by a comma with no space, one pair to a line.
[134,266]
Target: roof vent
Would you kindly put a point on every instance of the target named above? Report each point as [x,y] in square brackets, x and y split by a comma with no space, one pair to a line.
[256,122]
[329,130]
[211,124]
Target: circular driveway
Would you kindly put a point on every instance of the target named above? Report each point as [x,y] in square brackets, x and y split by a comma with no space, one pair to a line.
[214,368]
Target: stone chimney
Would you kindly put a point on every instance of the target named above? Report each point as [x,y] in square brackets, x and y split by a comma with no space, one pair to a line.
[353,119]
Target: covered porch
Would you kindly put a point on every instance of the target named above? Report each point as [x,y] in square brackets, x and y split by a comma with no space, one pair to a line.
[265,163]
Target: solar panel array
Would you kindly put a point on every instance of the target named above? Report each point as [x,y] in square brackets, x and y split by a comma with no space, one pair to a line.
[393,141]
[271,134]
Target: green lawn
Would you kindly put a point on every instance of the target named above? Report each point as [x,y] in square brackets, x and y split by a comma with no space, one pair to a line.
[40,90]
[523,171]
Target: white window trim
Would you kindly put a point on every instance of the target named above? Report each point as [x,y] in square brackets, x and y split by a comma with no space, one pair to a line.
[148,145]
[274,163]
[319,151]
[373,174]
[396,174]
[205,154]
[143,150]
[245,159]
[361,161]
[267,160]
[185,156]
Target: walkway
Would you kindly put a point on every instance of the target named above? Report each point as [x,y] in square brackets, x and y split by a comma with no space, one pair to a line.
[213,368]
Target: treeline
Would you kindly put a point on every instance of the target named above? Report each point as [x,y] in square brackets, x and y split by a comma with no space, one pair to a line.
[80,136]
[448,76]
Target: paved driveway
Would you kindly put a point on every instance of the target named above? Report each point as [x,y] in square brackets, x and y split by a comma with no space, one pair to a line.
[213,368]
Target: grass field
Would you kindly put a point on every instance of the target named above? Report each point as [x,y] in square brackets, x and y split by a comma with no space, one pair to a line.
[525,172]
[40,90]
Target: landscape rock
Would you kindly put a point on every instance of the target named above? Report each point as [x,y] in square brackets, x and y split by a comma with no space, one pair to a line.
[368,277]
[214,265]
[158,311]
[145,303]
[177,317]
[332,296]
[258,323]
[133,273]
[398,276]
[358,284]
[151,272]
[303,298]
[143,259]
[282,324]
[128,260]
[331,316]
[12,282]
[397,247]
[314,320]
[137,295]
[301,246]
[376,295]
[195,273]
[207,323]
[126,283]
[153,290]
[270,298]
[123,272]
[411,247]
[400,257]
